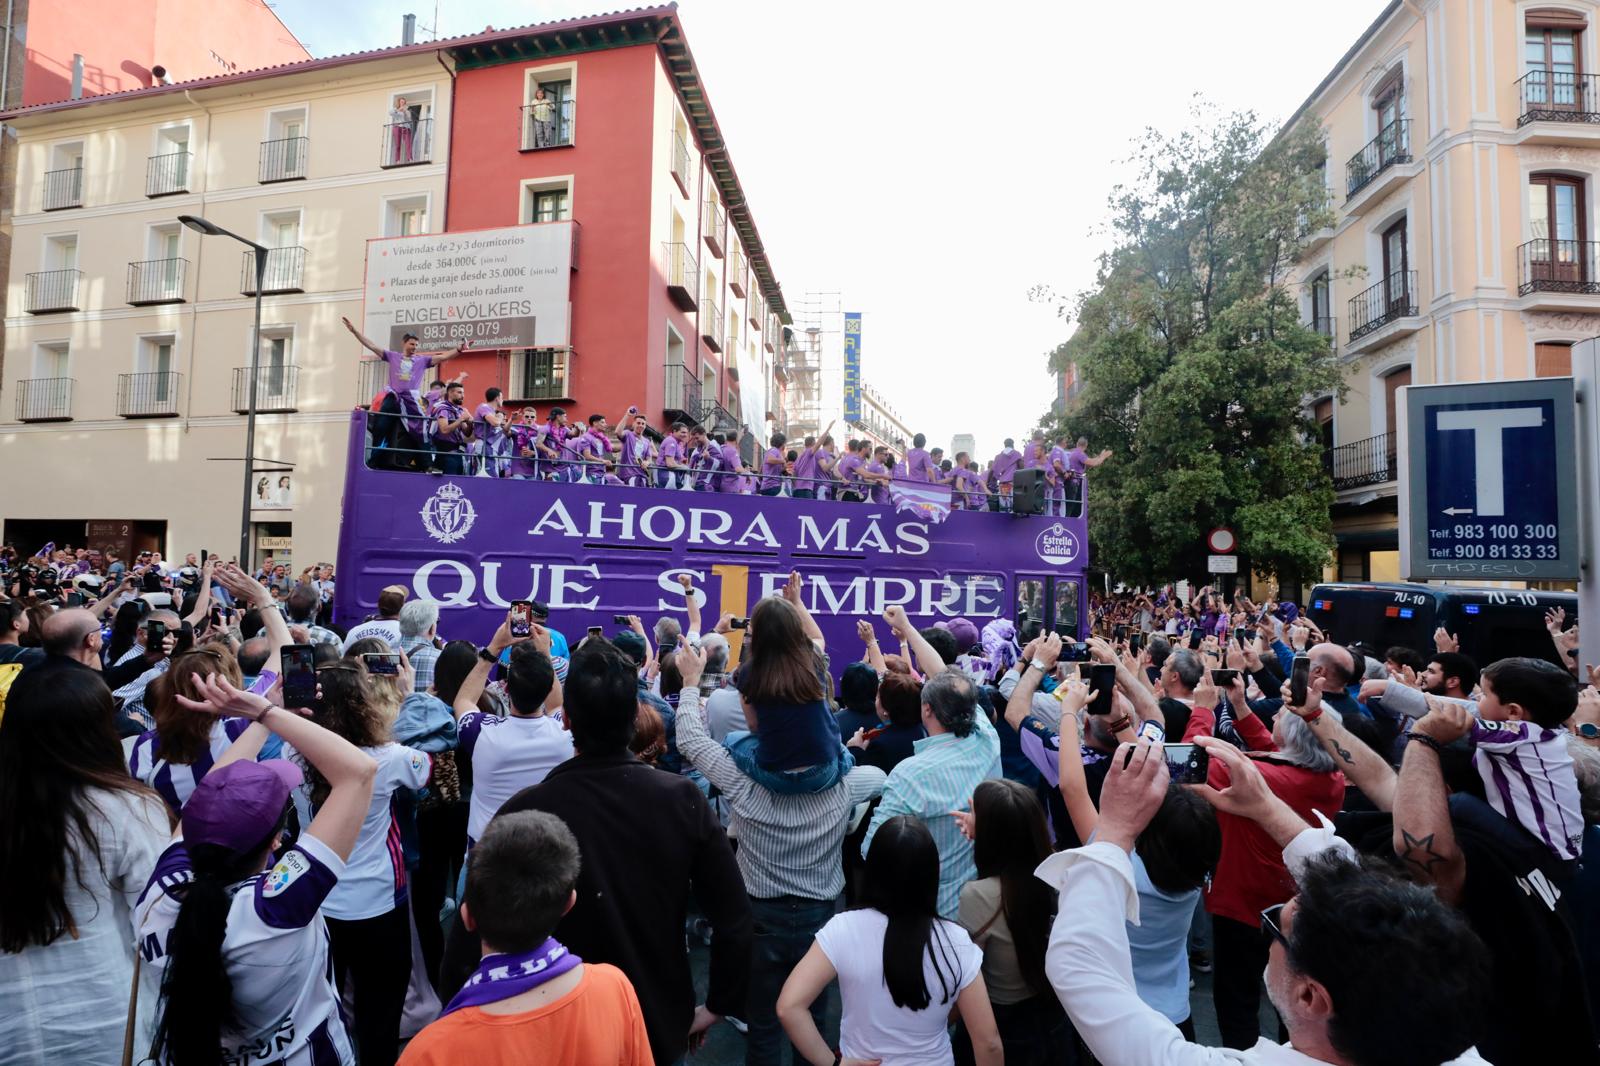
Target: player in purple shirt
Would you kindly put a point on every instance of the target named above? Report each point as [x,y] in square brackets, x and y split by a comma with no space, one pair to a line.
[400,421]
[918,465]
[523,434]
[1055,479]
[827,484]
[875,475]
[732,468]
[592,449]
[674,457]
[491,435]
[1004,469]
[1078,461]
[1033,452]
[851,488]
[772,466]
[452,430]
[968,483]
[638,454]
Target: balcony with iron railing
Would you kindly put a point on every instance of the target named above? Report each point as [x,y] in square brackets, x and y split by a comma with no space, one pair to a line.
[680,162]
[44,400]
[1379,158]
[407,143]
[1558,96]
[156,281]
[277,388]
[714,227]
[284,159]
[50,291]
[547,125]
[711,324]
[63,188]
[1554,274]
[1364,462]
[1384,311]
[681,394]
[148,395]
[167,174]
[285,272]
[683,275]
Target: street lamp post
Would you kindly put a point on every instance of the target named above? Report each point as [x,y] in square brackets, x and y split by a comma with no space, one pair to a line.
[211,229]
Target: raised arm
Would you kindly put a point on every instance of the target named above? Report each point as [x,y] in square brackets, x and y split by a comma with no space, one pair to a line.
[202,602]
[928,660]
[348,771]
[690,603]
[1069,764]
[365,343]
[791,592]
[1097,460]
[1365,768]
[247,590]
[1142,697]
[874,654]
[1044,652]
[472,686]
[1423,836]
[444,357]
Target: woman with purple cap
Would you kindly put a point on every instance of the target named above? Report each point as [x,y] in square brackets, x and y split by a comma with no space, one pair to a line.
[239,939]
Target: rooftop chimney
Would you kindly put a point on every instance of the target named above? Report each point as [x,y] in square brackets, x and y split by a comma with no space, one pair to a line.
[77,76]
[408,30]
[159,73]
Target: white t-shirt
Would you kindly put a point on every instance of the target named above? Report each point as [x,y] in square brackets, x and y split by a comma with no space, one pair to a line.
[508,754]
[383,628]
[275,950]
[374,880]
[871,1026]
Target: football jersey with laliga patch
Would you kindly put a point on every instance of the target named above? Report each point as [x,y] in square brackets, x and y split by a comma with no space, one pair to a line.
[374,880]
[276,952]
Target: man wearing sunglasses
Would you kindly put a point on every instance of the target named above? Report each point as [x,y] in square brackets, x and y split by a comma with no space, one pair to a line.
[1362,967]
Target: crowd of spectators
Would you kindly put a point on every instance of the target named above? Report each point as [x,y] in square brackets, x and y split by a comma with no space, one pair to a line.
[990,847]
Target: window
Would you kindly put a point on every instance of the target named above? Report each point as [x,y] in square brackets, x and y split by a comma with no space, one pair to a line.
[547,201]
[548,110]
[405,217]
[1323,414]
[158,386]
[1557,224]
[1554,60]
[1393,382]
[169,165]
[277,350]
[281,229]
[674,347]
[61,253]
[63,180]
[708,383]
[408,128]
[1322,304]
[539,374]
[52,360]
[283,155]
[161,278]
[1389,106]
[1552,359]
[1396,266]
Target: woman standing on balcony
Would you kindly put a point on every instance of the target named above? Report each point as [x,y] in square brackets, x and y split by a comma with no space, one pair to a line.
[542,112]
[403,124]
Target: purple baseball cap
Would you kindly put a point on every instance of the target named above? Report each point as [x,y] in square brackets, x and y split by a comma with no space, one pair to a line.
[236,806]
[964,631]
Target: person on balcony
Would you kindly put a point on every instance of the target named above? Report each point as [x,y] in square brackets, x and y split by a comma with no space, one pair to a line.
[542,112]
[402,133]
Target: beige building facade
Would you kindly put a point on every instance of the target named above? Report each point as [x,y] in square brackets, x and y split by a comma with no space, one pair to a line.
[1463,169]
[128,336]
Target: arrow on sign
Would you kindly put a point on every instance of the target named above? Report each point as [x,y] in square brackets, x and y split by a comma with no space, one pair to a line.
[1457,510]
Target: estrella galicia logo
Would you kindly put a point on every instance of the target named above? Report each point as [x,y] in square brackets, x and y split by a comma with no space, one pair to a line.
[1057,545]
[448,515]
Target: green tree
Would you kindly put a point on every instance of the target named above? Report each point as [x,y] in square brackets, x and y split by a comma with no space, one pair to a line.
[1195,367]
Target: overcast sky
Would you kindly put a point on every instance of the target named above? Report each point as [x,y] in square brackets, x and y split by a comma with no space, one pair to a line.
[933,161]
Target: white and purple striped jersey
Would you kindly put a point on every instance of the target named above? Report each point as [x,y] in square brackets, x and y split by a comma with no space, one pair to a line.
[374,879]
[285,1008]
[1528,779]
[176,782]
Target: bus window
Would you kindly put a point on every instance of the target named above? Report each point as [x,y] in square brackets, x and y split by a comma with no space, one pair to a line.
[1031,602]
[1066,601]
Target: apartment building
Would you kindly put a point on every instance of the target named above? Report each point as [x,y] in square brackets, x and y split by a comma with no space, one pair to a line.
[1463,158]
[128,339]
[880,423]
[674,303]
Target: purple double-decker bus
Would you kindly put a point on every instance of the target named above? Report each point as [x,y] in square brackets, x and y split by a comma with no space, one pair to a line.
[593,552]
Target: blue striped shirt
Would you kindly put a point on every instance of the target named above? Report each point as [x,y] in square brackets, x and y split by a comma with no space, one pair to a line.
[940,777]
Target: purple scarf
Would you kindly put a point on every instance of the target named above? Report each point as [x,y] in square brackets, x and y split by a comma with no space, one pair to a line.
[503,976]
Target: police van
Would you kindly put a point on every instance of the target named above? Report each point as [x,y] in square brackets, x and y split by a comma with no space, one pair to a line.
[1490,623]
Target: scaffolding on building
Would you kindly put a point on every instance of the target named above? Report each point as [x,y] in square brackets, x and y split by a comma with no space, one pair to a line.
[817,319]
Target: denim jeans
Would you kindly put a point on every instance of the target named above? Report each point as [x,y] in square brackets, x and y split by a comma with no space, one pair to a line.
[785,927]
[741,744]
[454,463]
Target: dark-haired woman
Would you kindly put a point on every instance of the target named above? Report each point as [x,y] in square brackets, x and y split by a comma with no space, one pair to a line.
[367,913]
[900,966]
[1008,913]
[242,950]
[78,840]
[795,747]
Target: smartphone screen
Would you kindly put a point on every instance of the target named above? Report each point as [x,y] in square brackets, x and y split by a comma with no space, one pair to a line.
[1102,684]
[382,662]
[1119,633]
[1075,652]
[1194,638]
[1224,678]
[155,632]
[739,623]
[1299,678]
[299,675]
[521,618]
[1187,763]
[1136,643]
[1243,634]
[595,631]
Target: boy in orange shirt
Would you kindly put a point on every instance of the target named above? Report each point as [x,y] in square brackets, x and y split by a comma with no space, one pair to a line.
[531,1000]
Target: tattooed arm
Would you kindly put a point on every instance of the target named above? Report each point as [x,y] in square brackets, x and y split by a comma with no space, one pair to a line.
[1361,766]
[1423,837]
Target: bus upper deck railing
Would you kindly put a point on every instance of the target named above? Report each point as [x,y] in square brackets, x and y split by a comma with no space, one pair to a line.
[489,452]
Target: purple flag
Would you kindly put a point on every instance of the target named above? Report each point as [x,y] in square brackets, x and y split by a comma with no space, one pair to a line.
[928,502]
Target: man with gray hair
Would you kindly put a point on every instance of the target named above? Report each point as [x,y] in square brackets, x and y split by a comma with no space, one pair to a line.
[1180,676]
[419,625]
[960,750]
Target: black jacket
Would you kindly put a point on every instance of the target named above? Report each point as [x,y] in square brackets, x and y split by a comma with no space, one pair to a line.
[645,837]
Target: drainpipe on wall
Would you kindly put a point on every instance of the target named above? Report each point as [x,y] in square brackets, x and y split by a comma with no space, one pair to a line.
[5,63]
[199,257]
[445,206]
